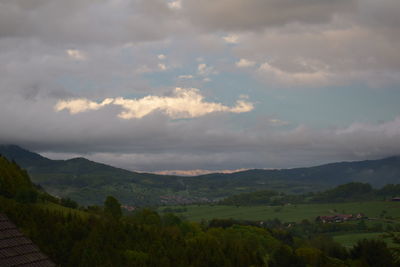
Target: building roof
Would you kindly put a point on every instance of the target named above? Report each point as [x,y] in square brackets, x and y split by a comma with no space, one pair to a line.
[18,250]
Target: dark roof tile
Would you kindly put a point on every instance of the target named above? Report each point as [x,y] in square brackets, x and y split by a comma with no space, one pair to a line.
[17,250]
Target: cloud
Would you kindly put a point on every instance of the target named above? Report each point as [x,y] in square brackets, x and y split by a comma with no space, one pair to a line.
[76,54]
[185,76]
[231,39]
[175,4]
[209,146]
[76,106]
[204,70]
[162,66]
[86,21]
[185,103]
[314,77]
[254,15]
[244,63]
[80,56]
[343,52]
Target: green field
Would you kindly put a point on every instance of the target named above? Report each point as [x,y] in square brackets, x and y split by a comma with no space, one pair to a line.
[58,208]
[289,213]
[348,240]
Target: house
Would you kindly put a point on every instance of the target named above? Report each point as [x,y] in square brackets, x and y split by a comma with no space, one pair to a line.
[335,218]
[325,219]
[343,217]
[360,216]
[18,250]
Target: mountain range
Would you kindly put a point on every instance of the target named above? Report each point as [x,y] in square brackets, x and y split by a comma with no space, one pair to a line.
[89,182]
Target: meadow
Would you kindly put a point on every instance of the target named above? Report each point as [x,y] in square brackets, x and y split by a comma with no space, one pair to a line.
[289,213]
[350,239]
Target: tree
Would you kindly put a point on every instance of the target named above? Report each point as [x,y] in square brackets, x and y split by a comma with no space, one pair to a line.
[372,253]
[112,207]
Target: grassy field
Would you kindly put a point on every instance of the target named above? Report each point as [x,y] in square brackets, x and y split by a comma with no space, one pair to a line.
[348,240]
[54,207]
[290,213]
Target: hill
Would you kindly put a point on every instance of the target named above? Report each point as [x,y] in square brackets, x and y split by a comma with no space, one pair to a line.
[90,182]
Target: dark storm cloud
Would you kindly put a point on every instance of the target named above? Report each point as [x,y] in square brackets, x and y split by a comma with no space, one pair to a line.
[86,21]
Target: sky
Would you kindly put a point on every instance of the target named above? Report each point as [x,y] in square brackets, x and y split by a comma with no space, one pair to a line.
[195,86]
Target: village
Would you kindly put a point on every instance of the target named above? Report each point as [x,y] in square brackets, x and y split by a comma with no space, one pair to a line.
[337,218]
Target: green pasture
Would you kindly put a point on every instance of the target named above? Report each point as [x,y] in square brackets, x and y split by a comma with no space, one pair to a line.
[350,239]
[58,208]
[290,213]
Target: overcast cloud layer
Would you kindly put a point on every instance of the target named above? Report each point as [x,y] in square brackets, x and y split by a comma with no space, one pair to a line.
[158,85]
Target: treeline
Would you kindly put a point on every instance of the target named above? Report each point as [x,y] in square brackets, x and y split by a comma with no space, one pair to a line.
[102,236]
[343,193]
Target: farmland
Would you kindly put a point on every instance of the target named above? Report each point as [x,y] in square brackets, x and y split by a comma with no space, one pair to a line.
[349,239]
[290,213]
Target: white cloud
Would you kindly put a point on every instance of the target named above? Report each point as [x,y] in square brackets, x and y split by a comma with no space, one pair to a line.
[161,56]
[201,68]
[80,105]
[185,76]
[162,66]
[175,4]
[76,54]
[185,103]
[231,39]
[204,70]
[244,63]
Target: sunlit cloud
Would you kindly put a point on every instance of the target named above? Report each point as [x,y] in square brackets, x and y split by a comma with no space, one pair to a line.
[175,4]
[231,39]
[184,103]
[81,105]
[76,54]
[185,77]
[162,66]
[244,63]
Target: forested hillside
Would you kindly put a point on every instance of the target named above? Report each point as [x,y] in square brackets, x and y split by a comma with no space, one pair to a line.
[89,182]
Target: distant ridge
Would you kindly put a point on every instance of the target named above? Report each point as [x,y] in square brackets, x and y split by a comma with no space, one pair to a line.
[90,182]
[22,156]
